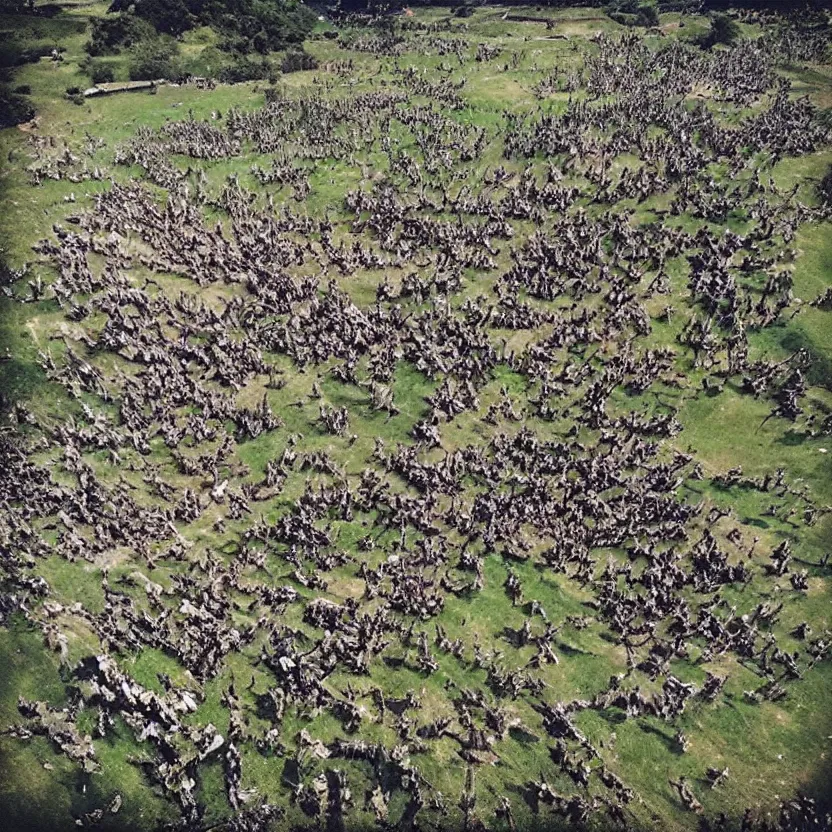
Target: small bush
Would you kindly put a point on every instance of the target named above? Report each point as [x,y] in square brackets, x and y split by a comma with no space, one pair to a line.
[245,68]
[11,54]
[297,61]
[75,95]
[14,109]
[463,11]
[102,74]
[273,94]
[22,89]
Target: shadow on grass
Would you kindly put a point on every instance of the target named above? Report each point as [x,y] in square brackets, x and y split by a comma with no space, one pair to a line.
[523,736]
[570,650]
[791,438]
[756,521]
[669,742]
[820,788]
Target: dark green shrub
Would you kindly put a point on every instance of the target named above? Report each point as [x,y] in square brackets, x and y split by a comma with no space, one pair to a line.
[297,60]
[22,89]
[272,94]
[724,29]
[75,95]
[12,54]
[170,17]
[250,25]
[101,73]
[14,109]
[245,68]
[622,7]
[155,59]
[647,15]
[109,35]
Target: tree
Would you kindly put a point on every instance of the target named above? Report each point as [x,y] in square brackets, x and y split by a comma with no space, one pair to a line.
[724,29]
[16,6]
[170,17]
[623,6]
[647,15]
[155,59]
[248,25]
[14,108]
[108,35]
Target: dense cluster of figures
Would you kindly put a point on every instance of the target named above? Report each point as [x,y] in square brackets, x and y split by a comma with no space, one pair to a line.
[530,345]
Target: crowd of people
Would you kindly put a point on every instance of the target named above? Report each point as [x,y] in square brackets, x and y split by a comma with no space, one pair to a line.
[528,250]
